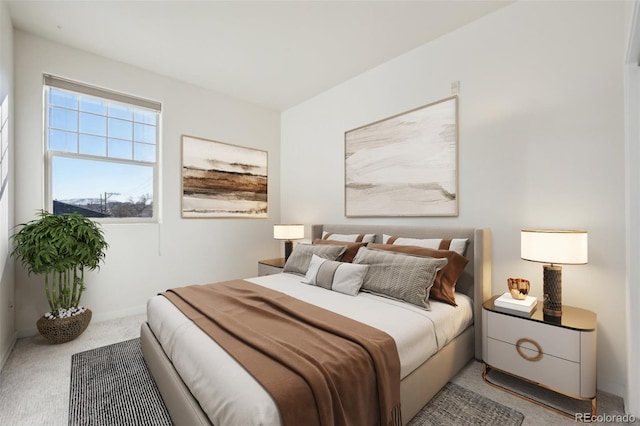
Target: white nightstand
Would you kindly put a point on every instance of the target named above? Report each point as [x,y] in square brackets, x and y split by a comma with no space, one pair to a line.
[270,266]
[558,353]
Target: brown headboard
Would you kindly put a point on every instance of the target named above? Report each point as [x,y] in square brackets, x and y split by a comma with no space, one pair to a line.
[475,282]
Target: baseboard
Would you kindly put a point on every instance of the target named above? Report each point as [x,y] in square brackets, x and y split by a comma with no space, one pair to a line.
[106,316]
[97,317]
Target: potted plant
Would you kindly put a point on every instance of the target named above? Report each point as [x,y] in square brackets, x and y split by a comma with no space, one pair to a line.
[61,247]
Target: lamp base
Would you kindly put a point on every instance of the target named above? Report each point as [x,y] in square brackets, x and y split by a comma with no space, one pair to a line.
[552,289]
[288,248]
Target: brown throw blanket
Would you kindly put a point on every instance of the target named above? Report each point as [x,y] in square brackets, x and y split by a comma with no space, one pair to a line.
[320,367]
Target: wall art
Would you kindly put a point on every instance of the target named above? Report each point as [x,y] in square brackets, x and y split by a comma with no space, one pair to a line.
[220,180]
[404,165]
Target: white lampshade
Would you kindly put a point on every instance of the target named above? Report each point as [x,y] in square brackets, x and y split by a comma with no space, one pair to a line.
[288,232]
[554,246]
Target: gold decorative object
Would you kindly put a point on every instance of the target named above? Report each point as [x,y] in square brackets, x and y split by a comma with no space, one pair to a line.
[518,287]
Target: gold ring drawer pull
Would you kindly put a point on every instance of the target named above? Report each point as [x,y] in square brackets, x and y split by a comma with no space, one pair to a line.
[535,358]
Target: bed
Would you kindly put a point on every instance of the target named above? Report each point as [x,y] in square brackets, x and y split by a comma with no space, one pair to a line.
[421,379]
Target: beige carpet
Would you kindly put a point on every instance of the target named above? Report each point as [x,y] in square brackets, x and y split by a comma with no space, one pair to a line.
[34,384]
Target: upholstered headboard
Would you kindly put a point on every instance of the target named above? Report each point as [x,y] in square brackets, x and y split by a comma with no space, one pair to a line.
[475,282]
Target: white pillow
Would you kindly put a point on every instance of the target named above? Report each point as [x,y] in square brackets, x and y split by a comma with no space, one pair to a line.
[349,238]
[337,276]
[459,245]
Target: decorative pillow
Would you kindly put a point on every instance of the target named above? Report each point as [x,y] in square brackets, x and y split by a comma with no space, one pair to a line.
[398,275]
[459,245]
[352,238]
[444,285]
[337,276]
[351,248]
[298,262]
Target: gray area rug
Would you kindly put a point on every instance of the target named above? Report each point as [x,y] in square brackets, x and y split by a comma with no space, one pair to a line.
[455,405]
[111,386]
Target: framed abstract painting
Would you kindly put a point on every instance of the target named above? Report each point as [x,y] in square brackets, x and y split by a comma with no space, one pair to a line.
[404,165]
[221,180]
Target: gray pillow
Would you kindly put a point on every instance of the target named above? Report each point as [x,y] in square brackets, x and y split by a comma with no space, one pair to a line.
[337,276]
[298,262]
[398,275]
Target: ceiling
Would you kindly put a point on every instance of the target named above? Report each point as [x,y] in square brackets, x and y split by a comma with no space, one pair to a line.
[272,53]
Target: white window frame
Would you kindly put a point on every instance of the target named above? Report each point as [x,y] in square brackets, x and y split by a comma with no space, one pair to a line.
[112,97]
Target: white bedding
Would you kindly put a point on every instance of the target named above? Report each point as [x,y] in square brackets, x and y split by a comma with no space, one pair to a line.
[229,395]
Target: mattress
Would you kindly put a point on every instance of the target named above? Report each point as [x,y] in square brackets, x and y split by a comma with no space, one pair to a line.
[228,394]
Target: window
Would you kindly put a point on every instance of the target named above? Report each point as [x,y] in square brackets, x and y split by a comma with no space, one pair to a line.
[102,151]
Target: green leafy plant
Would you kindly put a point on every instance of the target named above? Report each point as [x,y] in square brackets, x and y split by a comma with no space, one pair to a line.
[60,247]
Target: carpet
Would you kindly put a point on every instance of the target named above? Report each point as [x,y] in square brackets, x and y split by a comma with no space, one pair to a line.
[111,385]
[455,405]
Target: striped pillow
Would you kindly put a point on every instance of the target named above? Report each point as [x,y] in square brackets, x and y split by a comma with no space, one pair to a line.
[459,245]
[351,248]
[337,276]
[351,238]
[444,286]
[298,262]
[399,276]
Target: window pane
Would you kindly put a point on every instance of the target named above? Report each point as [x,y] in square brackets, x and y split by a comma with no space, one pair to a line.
[120,149]
[94,105]
[146,117]
[63,119]
[120,129]
[63,141]
[144,133]
[93,145]
[121,111]
[93,124]
[84,185]
[66,99]
[144,152]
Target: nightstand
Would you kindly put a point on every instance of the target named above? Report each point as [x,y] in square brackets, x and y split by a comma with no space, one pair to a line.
[270,266]
[557,353]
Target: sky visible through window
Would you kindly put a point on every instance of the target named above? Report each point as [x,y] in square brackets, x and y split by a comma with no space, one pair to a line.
[106,149]
[78,179]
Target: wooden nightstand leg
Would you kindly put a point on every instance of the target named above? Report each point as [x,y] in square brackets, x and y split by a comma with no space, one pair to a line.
[594,406]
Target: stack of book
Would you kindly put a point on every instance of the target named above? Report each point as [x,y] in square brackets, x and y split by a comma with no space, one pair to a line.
[507,303]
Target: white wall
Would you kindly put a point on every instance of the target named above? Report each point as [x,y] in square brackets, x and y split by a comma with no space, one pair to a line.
[541,144]
[7,311]
[144,259]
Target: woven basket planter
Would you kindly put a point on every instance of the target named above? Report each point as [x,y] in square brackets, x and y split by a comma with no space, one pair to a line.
[61,330]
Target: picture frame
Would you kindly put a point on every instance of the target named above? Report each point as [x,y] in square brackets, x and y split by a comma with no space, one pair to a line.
[221,180]
[404,165]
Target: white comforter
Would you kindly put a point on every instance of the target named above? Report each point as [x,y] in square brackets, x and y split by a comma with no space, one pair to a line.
[229,394]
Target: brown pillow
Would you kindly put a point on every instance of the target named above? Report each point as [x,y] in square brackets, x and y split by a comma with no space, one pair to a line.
[350,252]
[445,284]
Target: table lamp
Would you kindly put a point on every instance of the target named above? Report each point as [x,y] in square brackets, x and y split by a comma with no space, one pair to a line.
[553,247]
[288,233]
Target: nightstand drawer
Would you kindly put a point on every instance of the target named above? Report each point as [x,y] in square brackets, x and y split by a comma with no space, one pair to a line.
[551,371]
[556,341]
